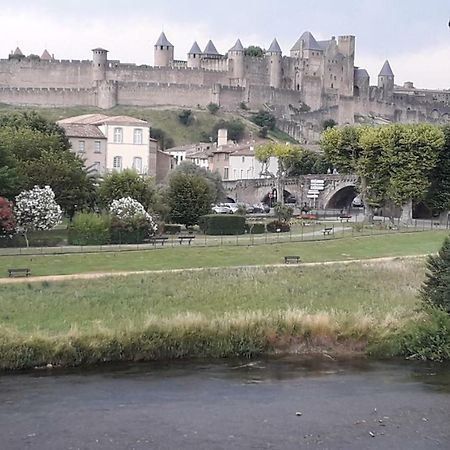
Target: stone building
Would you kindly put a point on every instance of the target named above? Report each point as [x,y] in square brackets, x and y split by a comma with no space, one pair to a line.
[316,81]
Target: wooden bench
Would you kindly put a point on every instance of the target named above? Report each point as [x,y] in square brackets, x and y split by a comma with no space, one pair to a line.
[187,239]
[158,240]
[328,230]
[19,272]
[291,259]
[345,217]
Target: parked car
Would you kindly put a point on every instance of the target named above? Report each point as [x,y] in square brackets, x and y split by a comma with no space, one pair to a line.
[259,208]
[218,209]
[233,207]
[291,199]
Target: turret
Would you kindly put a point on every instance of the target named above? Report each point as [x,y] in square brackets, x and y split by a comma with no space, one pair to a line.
[386,81]
[211,51]
[275,57]
[194,56]
[163,52]
[99,64]
[346,46]
[236,57]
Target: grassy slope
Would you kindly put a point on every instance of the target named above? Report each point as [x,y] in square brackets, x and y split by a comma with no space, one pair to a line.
[183,257]
[165,119]
[367,291]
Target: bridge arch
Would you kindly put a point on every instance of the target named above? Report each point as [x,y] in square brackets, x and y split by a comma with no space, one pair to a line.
[341,197]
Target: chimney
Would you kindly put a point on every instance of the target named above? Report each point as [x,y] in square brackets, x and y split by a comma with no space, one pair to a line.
[222,137]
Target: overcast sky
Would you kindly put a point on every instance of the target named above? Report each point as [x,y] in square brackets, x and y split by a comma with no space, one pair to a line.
[413,34]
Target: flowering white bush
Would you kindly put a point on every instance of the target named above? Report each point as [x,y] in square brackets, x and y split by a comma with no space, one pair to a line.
[36,209]
[129,211]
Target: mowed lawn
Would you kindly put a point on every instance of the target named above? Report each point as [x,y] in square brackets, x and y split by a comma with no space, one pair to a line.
[400,244]
[361,294]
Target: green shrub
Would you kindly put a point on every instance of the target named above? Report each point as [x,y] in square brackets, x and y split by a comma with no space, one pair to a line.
[277,226]
[90,229]
[255,227]
[213,108]
[128,236]
[41,238]
[436,288]
[169,228]
[217,224]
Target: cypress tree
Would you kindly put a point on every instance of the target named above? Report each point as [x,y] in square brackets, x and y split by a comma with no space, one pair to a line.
[436,288]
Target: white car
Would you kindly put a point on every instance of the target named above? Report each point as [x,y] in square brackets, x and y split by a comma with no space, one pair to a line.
[219,209]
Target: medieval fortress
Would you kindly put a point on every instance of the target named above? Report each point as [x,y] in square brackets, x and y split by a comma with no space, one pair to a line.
[316,82]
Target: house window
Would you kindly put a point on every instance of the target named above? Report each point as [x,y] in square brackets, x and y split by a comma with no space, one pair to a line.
[137,136]
[226,156]
[118,135]
[242,174]
[117,163]
[81,146]
[96,166]
[97,147]
[225,173]
[243,159]
[137,164]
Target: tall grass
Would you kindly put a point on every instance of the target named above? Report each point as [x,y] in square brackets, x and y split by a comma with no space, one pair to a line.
[232,312]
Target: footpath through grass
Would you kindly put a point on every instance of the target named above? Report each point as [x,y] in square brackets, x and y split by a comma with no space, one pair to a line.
[402,244]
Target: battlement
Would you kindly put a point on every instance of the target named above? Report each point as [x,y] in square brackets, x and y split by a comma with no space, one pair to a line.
[45,89]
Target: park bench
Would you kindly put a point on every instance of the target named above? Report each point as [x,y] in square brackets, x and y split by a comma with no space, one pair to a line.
[291,259]
[327,230]
[187,239]
[158,240]
[19,272]
[345,217]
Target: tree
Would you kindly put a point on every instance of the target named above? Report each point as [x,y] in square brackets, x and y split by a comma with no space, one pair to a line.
[213,179]
[410,152]
[283,212]
[287,155]
[438,196]
[189,198]
[235,128]
[329,123]
[164,141]
[9,178]
[264,119]
[213,108]
[255,51]
[126,184]
[7,220]
[435,290]
[36,209]
[186,117]
[310,162]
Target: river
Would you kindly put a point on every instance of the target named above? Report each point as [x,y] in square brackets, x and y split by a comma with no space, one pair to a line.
[276,403]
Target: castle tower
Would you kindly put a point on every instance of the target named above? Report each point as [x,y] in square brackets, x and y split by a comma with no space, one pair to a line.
[236,57]
[274,56]
[163,52]
[386,81]
[194,57]
[211,51]
[99,64]
[346,46]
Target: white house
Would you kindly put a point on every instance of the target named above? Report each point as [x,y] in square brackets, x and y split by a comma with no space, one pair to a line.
[127,141]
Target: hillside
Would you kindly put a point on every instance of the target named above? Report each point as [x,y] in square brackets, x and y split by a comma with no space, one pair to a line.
[164,119]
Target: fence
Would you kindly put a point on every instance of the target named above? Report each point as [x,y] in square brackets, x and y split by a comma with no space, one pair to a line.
[301,231]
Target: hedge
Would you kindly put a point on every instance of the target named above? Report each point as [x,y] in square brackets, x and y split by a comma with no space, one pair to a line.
[169,228]
[125,236]
[218,224]
[255,227]
[89,229]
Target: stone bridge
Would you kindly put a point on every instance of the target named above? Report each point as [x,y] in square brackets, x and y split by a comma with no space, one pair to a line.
[338,192]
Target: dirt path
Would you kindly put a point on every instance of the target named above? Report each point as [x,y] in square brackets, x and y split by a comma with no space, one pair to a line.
[97,275]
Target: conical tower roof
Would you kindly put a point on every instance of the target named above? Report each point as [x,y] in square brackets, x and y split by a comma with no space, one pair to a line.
[163,41]
[238,47]
[386,70]
[274,47]
[18,52]
[309,43]
[210,49]
[46,56]
[195,50]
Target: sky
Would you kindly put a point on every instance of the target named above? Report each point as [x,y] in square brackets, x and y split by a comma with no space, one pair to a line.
[412,34]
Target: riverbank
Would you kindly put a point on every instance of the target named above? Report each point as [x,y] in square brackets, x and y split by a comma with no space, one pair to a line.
[349,309]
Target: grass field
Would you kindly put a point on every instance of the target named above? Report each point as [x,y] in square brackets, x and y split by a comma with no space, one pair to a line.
[165,119]
[184,257]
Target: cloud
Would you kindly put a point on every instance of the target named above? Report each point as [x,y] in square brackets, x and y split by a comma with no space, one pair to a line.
[427,68]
